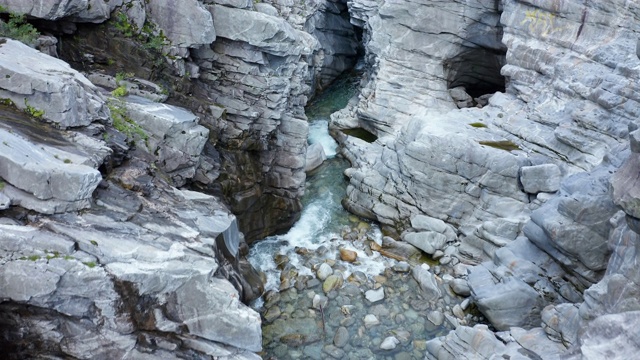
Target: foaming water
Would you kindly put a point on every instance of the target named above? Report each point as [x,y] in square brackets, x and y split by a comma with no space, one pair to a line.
[320,224]
[319,133]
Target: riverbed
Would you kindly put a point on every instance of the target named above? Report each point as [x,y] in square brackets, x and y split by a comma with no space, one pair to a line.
[320,305]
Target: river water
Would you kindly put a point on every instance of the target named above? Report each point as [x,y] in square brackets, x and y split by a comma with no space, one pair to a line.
[303,318]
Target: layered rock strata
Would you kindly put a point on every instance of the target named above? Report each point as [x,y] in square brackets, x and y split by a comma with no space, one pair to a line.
[247,71]
[525,178]
[145,270]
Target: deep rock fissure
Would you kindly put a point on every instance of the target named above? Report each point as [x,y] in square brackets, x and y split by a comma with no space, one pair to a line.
[477,66]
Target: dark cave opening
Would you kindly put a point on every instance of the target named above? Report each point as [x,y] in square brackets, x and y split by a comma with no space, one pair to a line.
[477,70]
[476,67]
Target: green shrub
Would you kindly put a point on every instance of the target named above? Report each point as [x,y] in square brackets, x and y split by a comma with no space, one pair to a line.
[18,28]
[478,125]
[121,22]
[120,91]
[123,123]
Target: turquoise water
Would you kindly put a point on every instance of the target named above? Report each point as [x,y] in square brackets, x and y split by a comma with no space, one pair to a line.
[293,328]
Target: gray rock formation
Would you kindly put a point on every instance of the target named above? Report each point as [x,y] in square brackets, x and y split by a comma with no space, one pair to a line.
[146,270]
[557,262]
[186,24]
[464,166]
[79,10]
[48,87]
[173,134]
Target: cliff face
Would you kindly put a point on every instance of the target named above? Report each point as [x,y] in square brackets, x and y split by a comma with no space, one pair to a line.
[247,71]
[102,256]
[525,176]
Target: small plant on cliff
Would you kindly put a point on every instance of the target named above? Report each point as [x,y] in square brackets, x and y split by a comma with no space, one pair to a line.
[121,22]
[33,111]
[1,185]
[123,123]
[16,27]
[121,89]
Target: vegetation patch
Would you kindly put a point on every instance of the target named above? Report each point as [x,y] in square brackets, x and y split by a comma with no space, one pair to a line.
[33,112]
[90,264]
[502,145]
[478,125]
[16,27]
[123,123]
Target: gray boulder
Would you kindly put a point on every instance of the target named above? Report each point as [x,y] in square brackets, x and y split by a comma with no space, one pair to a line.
[39,82]
[79,10]
[173,135]
[427,282]
[267,32]
[186,23]
[540,178]
[315,157]
[427,241]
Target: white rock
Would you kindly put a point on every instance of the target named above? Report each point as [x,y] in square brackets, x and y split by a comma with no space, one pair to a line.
[370,320]
[389,343]
[375,295]
[324,270]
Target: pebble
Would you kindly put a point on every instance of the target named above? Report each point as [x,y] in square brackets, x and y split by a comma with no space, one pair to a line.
[332,282]
[465,303]
[437,255]
[374,296]
[272,314]
[321,250]
[389,343]
[402,267]
[460,270]
[334,351]
[371,320]
[380,279]
[457,311]
[445,260]
[341,338]
[436,317]
[460,287]
[402,335]
[324,271]
[320,301]
[420,344]
[313,283]
[348,255]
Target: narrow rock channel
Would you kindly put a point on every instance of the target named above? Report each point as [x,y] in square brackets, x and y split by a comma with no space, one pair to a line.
[328,293]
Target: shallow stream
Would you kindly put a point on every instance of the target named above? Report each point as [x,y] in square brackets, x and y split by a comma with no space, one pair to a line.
[307,315]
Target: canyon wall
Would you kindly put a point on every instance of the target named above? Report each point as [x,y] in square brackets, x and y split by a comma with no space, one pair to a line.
[524,174]
[119,185]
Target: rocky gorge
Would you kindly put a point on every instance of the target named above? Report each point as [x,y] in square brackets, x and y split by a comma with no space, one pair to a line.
[148,145]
